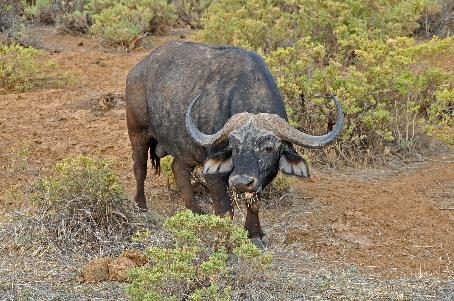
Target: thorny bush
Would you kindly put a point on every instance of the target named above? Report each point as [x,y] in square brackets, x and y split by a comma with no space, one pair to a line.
[81,208]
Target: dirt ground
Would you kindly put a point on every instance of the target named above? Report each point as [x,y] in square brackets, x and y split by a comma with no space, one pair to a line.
[389,223]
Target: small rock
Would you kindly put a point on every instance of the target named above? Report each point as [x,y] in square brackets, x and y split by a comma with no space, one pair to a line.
[118,268]
[96,270]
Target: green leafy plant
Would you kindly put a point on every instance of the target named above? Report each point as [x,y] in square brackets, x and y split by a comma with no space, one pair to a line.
[206,259]
[18,67]
[40,10]
[166,168]
[75,23]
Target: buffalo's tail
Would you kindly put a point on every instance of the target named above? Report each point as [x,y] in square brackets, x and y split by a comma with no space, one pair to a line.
[155,160]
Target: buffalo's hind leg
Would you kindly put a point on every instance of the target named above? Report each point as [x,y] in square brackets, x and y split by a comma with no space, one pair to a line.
[140,142]
[182,173]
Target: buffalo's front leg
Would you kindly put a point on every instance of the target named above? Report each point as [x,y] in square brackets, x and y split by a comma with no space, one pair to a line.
[182,173]
[252,225]
[218,187]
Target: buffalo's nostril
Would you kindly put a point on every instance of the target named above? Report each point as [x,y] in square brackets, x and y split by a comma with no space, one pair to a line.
[242,183]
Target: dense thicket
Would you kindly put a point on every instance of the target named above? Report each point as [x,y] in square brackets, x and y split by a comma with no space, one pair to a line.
[363,51]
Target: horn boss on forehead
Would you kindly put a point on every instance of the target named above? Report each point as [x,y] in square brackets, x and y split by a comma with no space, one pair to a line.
[271,122]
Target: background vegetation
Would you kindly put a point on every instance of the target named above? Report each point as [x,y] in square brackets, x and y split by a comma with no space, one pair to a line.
[378,57]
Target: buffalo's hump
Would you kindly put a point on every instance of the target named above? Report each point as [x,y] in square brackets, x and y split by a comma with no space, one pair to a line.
[233,81]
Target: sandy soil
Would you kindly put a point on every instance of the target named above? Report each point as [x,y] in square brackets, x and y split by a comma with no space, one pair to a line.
[393,223]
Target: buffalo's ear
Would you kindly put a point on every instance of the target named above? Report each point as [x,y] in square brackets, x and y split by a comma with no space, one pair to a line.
[218,163]
[291,163]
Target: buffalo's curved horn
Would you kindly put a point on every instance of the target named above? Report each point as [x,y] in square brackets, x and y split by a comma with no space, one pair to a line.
[283,130]
[236,121]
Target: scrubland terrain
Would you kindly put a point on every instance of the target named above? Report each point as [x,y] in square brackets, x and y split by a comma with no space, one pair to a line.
[374,222]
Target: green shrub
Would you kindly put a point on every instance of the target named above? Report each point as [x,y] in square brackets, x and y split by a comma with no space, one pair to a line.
[383,89]
[50,11]
[440,123]
[23,68]
[163,17]
[97,6]
[268,24]
[17,67]
[121,22]
[166,168]
[120,25]
[75,23]
[249,24]
[209,256]
[40,10]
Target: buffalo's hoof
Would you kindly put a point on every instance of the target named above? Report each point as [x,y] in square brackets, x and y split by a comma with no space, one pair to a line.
[141,204]
[265,241]
[259,243]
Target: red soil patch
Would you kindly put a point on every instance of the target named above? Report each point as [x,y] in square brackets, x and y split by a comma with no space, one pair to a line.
[399,225]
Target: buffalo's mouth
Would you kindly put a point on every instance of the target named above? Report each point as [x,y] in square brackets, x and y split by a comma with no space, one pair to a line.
[247,197]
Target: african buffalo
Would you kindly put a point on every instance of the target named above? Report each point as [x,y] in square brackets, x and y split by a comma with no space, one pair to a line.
[218,107]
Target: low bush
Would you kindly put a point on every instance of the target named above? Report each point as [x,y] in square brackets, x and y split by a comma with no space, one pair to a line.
[74,23]
[120,25]
[40,10]
[190,11]
[206,260]
[50,11]
[83,203]
[18,67]
[384,90]
[24,68]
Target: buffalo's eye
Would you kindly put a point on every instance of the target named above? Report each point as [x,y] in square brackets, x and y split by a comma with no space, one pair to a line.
[267,147]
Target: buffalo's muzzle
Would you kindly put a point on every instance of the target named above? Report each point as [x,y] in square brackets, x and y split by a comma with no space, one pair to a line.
[243,183]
